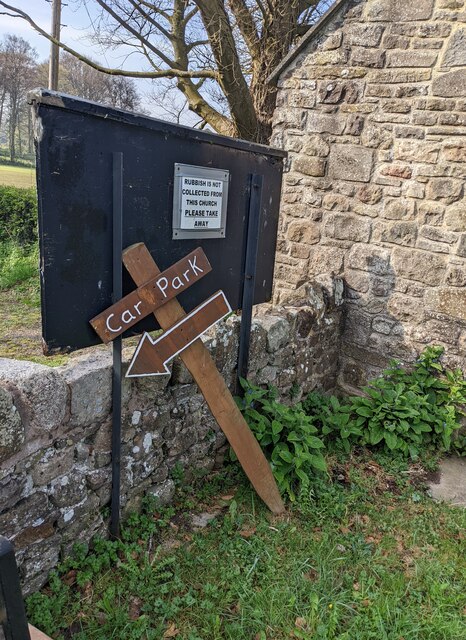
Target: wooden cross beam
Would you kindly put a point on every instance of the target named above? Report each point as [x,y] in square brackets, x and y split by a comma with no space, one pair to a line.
[199,363]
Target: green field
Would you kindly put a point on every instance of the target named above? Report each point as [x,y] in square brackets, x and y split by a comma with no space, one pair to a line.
[17,176]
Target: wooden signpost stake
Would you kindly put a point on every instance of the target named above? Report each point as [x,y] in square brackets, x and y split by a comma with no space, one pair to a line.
[199,363]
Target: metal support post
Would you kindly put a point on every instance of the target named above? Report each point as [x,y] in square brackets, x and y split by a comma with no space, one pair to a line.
[117,343]
[252,243]
[12,614]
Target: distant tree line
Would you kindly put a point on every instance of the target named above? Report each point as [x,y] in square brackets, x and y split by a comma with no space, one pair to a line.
[20,71]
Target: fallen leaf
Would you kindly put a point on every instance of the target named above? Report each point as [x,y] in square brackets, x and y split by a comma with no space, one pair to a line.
[135,608]
[70,577]
[356,586]
[311,575]
[247,533]
[171,632]
[300,623]
[228,497]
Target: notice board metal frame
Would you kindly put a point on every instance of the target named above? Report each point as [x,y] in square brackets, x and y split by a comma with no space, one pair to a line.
[75,143]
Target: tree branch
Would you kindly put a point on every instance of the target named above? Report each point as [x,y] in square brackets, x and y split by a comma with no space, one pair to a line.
[137,34]
[246,25]
[162,73]
[149,18]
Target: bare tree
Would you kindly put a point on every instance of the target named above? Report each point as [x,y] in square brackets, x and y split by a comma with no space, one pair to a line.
[217,52]
[82,80]
[17,72]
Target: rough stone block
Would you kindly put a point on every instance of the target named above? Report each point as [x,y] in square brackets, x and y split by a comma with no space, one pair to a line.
[50,464]
[37,561]
[363,57]
[404,308]
[414,152]
[304,232]
[324,260]
[40,393]
[164,492]
[12,489]
[399,209]
[396,11]
[369,258]
[84,377]
[456,276]
[333,56]
[448,301]
[419,265]
[450,85]
[455,152]
[455,55]
[333,41]
[455,217]
[447,190]
[363,35]
[404,233]
[278,332]
[357,280]
[397,76]
[411,59]
[438,235]
[461,248]
[355,125]
[309,166]
[11,428]
[325,123]
[68,490]
[369,194]
[315,146]
[350,162]
[32,512]
[347,227]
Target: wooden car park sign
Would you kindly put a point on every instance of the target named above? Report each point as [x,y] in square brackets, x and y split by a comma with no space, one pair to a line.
[156,293]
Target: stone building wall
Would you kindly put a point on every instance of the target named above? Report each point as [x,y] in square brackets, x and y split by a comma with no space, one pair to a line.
[373,114]
[55,427]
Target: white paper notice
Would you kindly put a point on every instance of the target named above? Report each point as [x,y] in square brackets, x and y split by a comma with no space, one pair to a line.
[201,203]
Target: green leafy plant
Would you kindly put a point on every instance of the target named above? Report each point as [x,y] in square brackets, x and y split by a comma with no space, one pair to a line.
[18,215]
[405,410]
[287,436]
[410,410]
[333,420]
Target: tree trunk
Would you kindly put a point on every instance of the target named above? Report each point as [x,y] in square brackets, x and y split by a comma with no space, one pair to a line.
[30,136]
[276,40]
[13,121]
[20,140]
[231,78]
[2,106]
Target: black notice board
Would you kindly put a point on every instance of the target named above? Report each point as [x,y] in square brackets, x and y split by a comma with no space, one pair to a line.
[75,142]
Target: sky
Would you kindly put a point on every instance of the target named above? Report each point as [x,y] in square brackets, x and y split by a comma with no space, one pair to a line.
[75,32]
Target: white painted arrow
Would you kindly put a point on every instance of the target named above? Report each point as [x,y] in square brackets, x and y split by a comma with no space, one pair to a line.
[151,356]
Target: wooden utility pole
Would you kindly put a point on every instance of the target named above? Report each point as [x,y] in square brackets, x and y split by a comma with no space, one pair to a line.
[55,49]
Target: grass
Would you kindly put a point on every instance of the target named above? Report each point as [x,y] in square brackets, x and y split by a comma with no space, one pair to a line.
[20,331]
[367,556]
[17,176]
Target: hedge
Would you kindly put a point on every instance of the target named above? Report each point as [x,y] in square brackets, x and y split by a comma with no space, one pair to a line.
[18,215]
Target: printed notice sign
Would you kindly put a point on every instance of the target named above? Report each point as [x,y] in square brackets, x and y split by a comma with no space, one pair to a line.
[200,197]
[201,203]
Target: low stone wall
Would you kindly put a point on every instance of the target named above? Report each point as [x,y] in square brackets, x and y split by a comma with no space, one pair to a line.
[55,427]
